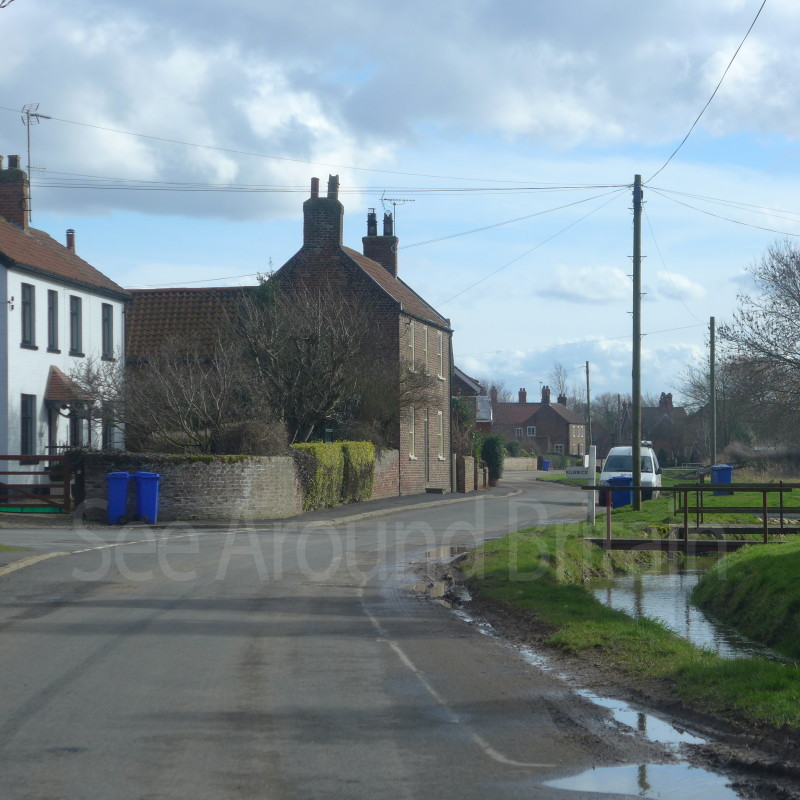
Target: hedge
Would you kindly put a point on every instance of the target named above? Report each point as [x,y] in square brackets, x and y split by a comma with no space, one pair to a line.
[321,468]
[334,473]
[359,471]
[493,453]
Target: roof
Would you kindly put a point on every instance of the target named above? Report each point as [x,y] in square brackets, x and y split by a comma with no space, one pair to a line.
[470,383]
[397,289]
[156,316]
[36,251]
[61,389]
[517,413]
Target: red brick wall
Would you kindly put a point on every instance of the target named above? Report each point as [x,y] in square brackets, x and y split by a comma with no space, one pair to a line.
[14,196]
[387,479]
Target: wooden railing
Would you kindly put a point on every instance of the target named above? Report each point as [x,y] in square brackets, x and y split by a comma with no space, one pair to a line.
[47,485]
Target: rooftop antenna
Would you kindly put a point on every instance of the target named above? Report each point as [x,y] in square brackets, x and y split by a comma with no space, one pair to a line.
[29,117]
[395,201]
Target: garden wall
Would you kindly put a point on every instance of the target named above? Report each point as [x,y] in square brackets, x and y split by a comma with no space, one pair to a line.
[519,463]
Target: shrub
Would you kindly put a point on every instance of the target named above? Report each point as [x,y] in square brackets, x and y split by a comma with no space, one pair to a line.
[493,453]
[359,471]
[321,468]
[513,449]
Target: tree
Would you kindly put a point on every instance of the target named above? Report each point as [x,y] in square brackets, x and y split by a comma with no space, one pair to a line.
[558,378]
[761,341]
[504,394]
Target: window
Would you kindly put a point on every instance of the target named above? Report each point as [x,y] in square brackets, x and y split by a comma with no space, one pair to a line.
[411,344]
[28,316]
[52,320]
[75,326]
[27,441]
[108,435]
[518,433]
[75,430]
[440,354]
[108,331]
[558,448]
[411,451]
[440,433]
[531,430]
[425,348]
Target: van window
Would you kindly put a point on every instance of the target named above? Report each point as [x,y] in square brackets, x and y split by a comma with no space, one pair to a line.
[621,463]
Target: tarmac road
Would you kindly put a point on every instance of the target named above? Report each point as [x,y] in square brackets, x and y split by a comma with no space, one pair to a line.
[282,661]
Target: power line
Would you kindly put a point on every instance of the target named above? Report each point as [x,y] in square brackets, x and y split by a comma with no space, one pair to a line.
[188,283]
[535,247]
[702,111]
[766,210]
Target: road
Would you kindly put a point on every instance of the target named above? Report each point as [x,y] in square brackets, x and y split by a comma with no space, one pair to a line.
[282,662]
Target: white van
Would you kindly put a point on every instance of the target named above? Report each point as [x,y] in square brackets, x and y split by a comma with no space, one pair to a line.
[619,464]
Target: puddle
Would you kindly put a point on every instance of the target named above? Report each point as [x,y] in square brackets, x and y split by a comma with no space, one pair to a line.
[446,593]
[447,552]
[656,781]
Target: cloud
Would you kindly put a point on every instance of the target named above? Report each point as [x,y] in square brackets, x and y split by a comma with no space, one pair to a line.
[674,286]
[587,285]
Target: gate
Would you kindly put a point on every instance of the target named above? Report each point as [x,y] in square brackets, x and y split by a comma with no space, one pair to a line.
[39,484]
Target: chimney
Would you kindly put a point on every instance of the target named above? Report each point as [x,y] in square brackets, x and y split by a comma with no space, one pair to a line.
[545,395]
[382,249]
[493,394]
[665,402]
[523,396]
[323,217]
[71,239]
[562,399]
[14,193]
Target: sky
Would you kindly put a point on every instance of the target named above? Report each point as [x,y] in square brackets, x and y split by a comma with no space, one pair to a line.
[504,135]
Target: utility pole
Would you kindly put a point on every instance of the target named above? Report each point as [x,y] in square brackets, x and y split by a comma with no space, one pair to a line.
[712,389]
[636,399]
[588,412]
[31,117]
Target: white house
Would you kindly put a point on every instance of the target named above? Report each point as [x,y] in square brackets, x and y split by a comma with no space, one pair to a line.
[58,310]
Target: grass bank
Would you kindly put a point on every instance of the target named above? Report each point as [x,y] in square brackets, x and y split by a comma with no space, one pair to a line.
[540,570]
[757,591]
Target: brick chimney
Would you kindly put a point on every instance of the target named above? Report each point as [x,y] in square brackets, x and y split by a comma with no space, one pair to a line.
[665,402]
[545,395]
[323,217]
[562,399]
[71,239]
[523,396]
[493,394]
[382,249]
[14,193]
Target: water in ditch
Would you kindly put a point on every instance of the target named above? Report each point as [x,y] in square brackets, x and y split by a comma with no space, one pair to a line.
[665,596]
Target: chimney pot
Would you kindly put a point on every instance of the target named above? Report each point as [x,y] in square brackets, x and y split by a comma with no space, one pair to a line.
[71,239]
[546,395]
[493,394]
[523,395]
[314,188]
[562,399]
[388,225]
[13,162]
[333,187]
[372,223]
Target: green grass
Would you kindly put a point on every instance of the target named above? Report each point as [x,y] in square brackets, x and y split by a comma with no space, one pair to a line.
[6,548]
[757,590]
[542,569]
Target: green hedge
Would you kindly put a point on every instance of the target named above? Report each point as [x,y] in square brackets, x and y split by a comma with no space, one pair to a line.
[359,471]
[321,469]
[493,452]
[334,473]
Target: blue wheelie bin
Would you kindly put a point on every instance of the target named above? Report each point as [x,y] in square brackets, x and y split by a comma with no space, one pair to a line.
[621,493]
[545,465]
[147,496]
[722,473]
[117,483]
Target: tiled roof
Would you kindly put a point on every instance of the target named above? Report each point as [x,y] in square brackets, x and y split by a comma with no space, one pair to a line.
[61,389]
[397,289]
[35,250]
[156,316]
[518,413]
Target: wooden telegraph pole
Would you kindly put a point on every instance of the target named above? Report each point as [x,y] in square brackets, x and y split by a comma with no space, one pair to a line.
[712,389]
[636,392]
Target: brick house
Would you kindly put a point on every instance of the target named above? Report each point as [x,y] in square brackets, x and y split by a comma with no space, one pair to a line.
[58,311]
[543,427]
[475,394]
[413,332]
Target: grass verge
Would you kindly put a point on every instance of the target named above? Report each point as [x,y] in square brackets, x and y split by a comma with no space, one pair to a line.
[541,570]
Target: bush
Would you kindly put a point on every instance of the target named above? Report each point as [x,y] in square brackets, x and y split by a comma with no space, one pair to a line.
[321,468]
[493,453]
[359,471]
[513,449]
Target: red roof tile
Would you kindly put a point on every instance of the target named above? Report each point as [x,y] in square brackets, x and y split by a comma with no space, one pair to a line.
[61,389]
[35,250]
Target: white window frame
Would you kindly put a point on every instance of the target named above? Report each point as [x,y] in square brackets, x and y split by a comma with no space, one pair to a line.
[440,355]
[411,438]
[425,348]
[518,433]
[440,433]
[531,430]
[411,336]
[558,448]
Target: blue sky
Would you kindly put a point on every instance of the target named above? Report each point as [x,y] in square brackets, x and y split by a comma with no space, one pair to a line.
[472,112]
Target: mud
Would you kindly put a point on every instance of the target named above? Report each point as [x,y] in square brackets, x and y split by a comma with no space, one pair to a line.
[764,760]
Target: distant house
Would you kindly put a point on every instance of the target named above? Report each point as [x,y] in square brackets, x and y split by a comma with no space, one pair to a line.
[543,427]
[468,388]
[667,427]
[58,311]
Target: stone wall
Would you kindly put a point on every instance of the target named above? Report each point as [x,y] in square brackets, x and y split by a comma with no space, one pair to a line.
[514,464]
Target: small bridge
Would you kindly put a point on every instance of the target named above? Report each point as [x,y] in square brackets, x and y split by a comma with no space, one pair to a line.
[697,491]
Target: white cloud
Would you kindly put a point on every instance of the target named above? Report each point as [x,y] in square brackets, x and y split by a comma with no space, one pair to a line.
[587,285]
[674,286]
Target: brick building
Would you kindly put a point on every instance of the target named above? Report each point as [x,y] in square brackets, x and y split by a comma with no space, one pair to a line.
[542,427]
[413,332]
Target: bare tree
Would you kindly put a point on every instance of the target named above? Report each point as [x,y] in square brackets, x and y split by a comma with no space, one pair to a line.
[504,394]
[558,379]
